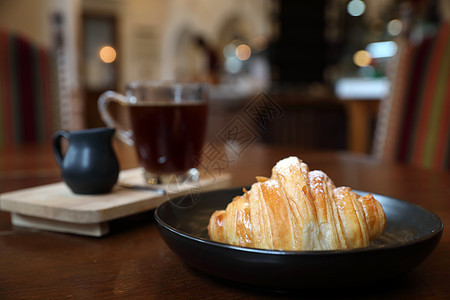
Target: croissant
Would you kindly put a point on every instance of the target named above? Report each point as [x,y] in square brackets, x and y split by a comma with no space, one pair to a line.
[298,209]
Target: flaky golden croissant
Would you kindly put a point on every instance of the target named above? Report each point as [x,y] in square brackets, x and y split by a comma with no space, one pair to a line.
[297,209]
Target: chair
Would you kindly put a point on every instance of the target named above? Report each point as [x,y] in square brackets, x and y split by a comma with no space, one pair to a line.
[413,125]
[29,102]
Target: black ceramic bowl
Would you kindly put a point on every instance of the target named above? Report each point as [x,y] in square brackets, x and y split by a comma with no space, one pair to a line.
[411,234]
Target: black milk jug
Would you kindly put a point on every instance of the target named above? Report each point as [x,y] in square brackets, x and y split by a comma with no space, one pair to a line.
[89,166]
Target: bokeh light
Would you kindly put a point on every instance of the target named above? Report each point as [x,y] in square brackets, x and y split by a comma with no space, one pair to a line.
[394,27]
[362,58]
[233,65]
[356,8]
[108,54]
[229,50]
[382,49]
[243,52]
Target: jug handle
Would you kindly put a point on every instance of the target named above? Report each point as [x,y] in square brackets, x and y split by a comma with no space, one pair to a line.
[57,145]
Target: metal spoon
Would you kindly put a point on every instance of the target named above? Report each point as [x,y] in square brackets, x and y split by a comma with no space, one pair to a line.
[142,187]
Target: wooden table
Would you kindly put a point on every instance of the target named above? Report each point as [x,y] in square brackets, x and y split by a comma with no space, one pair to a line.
[134,262]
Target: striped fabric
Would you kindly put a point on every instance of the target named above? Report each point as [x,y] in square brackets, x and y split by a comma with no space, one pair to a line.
[29,110]
[418,126]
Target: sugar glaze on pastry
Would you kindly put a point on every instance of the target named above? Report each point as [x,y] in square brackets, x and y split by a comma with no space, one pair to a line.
[298,209]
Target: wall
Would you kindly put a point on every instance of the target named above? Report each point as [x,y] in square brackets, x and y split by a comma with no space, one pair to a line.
[148,30]
[33,20]
[141,24]
[28,18]
[148,34]
[163,23]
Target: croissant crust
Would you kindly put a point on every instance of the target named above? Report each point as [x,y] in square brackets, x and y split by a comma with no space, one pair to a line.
[298,209]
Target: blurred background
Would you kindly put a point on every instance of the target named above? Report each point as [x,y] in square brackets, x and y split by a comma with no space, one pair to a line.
[326,63]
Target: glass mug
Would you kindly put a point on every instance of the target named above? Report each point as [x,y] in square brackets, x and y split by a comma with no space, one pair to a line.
[168,125]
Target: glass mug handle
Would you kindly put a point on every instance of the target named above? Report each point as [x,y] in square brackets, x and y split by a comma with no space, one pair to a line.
[103,102]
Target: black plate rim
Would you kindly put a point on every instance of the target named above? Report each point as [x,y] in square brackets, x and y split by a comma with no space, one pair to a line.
[434,233]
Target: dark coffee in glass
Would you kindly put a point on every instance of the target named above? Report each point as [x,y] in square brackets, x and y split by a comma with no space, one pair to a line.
[168,125]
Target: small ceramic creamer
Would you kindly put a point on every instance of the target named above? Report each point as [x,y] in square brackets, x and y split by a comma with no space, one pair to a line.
[89,166]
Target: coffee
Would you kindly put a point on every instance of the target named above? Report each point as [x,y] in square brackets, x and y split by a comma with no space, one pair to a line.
[167,127]
[168,136]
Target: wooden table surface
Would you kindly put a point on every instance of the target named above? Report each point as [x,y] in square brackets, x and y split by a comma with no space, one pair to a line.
[134,262]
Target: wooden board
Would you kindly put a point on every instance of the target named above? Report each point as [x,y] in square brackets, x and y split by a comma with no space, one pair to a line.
[54,207]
